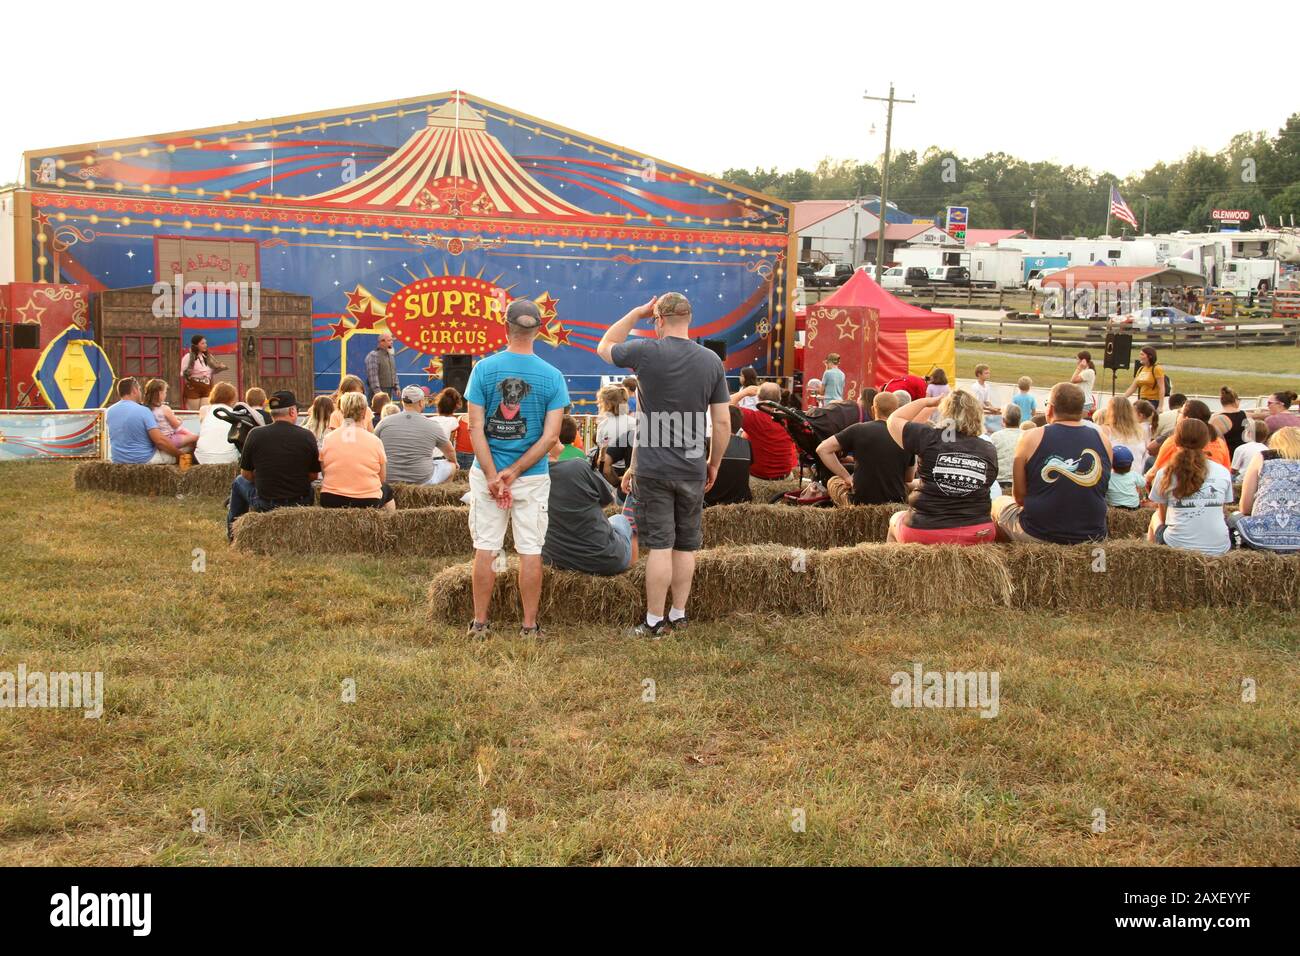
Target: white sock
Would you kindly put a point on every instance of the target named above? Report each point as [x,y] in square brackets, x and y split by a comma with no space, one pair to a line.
[652,619]
[676,615]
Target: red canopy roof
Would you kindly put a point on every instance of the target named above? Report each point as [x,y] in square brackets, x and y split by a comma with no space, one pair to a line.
[861,291]
[1125,275]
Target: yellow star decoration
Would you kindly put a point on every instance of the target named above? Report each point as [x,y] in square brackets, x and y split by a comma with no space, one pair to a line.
[848,328]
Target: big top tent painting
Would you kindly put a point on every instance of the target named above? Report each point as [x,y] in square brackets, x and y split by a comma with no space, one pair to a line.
[421,217]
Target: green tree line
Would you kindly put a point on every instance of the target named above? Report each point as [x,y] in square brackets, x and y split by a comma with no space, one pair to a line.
[1255,171]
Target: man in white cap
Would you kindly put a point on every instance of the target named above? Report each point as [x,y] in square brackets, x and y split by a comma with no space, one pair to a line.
[516,402]
[418,448]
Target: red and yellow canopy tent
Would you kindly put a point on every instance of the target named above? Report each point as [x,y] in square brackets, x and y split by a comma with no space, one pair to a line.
[877,336]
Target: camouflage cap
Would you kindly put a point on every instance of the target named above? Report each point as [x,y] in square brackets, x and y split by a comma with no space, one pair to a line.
[672,303]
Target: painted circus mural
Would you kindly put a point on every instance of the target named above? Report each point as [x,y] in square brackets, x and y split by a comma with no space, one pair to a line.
[291,244]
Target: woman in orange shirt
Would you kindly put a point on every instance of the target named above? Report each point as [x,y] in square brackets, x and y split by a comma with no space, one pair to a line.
[1217,450]
[353,461]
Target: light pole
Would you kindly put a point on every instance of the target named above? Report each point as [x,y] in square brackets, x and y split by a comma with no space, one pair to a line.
[1146,200]
[1033,204]
[884,176]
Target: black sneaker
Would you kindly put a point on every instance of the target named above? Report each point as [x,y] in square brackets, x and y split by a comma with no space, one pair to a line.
[535,632]
[652,631]
[479,630]
[677,625]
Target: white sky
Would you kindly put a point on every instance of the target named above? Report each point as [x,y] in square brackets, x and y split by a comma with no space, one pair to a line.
[709,85]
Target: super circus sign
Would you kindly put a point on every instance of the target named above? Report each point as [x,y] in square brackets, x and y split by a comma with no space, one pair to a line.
[449,314]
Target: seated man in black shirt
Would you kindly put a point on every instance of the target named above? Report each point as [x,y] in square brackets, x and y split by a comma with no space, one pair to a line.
[278,463]
[579,537]
[732,484]
[881,469]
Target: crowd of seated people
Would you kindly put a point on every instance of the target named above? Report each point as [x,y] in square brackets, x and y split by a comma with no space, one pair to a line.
[1036,472]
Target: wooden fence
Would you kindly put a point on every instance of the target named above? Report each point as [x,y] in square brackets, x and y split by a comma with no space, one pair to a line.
[1029,330]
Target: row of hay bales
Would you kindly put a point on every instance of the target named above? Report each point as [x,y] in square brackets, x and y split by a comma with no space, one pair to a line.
[870,578]
[444,531]
[213,481]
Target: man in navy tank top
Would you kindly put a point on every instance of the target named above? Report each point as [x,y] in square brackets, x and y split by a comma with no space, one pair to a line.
[1060,476]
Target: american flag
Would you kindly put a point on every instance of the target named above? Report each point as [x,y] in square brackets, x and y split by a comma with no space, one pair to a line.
[1119,208]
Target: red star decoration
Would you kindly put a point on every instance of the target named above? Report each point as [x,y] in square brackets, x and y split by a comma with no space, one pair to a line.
[42,219]
[547,304]
[433,369]
[368,320]
[356,300]
[561,336]
[340,329]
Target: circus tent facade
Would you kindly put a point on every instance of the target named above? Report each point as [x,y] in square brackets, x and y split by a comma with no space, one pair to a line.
[350,212]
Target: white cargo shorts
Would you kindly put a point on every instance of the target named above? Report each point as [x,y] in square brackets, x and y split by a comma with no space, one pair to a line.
[528,515]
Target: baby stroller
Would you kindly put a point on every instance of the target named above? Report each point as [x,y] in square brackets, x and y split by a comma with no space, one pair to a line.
[242,419]
[808,430]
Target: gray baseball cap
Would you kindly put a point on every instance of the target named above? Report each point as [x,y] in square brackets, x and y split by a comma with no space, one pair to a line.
[524,314]
[413,395]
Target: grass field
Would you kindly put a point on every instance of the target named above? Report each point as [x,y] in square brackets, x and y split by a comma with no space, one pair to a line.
[222,693]
[1254,370]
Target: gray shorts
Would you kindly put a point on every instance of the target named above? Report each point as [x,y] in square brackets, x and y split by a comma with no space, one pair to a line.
[669,514]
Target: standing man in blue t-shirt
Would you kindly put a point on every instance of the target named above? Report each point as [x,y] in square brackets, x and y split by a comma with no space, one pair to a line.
[134,437]
[832,379]
[516,403]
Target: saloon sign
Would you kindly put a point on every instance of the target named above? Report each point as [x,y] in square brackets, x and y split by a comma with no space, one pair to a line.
[445,315]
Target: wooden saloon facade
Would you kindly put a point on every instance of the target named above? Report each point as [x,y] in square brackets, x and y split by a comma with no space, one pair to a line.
[273,354]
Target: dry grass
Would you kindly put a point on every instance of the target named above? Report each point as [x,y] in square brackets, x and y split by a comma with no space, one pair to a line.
[223,693]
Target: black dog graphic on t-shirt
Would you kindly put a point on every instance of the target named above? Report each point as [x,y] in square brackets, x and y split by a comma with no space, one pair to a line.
[507,422]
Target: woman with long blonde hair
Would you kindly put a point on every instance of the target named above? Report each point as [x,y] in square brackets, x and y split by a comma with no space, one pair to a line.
[1270,496]
[318,419]
[951,503]
[1119,422]
[1190,492]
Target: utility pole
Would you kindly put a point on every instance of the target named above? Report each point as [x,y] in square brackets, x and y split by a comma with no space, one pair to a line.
[884,176]
[1146,201]
[1033,204]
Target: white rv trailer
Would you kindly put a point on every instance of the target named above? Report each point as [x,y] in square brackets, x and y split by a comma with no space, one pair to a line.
[986,263]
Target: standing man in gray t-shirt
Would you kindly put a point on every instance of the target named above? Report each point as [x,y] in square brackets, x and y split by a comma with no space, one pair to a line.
[681,387]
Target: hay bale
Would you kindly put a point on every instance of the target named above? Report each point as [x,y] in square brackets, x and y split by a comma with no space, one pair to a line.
[208,481]
[764,491]
[1120,575]
[1123,523]
[424,532]
[799,527]
[756,579]
[145,480]
[429,496]
[567,596]
[870,577]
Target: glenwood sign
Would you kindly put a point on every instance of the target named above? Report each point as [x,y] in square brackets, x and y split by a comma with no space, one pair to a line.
[449,314]
[1230,215]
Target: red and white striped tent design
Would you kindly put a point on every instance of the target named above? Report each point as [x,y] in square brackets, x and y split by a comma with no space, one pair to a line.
[453,166]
